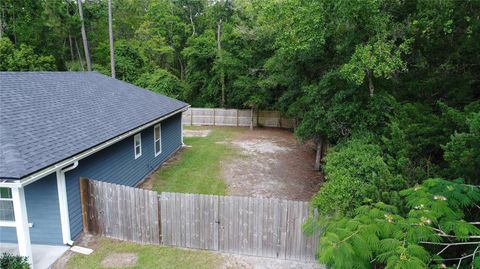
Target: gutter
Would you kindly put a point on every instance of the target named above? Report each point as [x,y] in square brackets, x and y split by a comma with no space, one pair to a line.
[69,161]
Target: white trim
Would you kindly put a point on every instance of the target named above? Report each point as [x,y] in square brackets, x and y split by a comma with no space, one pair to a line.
[159,139]
[137,137]
[46,171]
[21,221]
[181,134]
[15,184]
[8,223]
[63,202]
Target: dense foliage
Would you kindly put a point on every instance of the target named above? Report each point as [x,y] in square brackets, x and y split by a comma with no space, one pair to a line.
[23,58]
[356,173]
[380,234]
[9,261]
[392,86]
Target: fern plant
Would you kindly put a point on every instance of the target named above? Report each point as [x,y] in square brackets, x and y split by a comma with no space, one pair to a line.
[434,231]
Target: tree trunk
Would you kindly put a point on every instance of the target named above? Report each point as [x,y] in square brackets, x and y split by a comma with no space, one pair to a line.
[14,24]
[110,33]
[319,154]
[84,36]
[370,83]
[191,21]
[2,21]
[72,58]
[182,68]
[79,55]
[220,58]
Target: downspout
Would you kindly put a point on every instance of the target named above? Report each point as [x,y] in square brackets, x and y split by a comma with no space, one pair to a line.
[63,202]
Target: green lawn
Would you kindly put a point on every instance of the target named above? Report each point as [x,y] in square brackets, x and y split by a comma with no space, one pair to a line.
[198,170]
[149,256]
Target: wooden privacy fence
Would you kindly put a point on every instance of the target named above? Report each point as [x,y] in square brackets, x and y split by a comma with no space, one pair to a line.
[120,212]
[235,117]
[244,225]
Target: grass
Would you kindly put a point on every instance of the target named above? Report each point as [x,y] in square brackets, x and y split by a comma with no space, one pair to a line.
[149,256]
[199,169]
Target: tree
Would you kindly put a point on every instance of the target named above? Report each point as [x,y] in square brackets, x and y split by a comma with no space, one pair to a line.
[84,36]
[110,33]
[381,58]
[220,59]
[162,81]
[129,62]
[390,86]
[23,58]
[462,152]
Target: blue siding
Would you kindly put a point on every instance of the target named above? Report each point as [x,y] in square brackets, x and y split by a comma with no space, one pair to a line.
[43,211]
[117,164]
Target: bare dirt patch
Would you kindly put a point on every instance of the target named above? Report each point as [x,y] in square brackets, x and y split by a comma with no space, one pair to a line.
[120,260]
[272,164]
[233,261]
[85,240]
[260,146]
[196,133]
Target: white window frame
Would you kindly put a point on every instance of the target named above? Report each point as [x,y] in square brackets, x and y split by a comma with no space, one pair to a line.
[137,137]
[157,151]
[8,223]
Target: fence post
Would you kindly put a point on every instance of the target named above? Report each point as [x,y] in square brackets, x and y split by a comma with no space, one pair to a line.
[191,117]
[237,116]
[85,197]
[160,231]
[214,117]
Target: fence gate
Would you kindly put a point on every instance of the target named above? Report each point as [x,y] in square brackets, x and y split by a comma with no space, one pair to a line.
[243,225]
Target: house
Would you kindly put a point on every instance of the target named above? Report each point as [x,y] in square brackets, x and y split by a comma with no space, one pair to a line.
[56,127]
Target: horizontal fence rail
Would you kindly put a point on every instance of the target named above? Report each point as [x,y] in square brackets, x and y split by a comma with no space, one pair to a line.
[235,117]
[264,227]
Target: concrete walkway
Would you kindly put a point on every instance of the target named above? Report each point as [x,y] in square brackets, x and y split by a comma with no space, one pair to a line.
[43,255]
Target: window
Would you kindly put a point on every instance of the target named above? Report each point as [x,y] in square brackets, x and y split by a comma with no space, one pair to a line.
[6,205]
[157,139]
[137,145]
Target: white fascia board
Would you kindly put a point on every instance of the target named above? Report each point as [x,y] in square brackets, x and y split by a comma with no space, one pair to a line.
[51,169]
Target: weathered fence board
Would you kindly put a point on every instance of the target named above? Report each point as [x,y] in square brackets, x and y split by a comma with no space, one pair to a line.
[122,212]
[244,225]
[235,117]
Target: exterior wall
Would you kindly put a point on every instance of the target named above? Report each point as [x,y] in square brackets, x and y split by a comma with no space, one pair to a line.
[117,164]
[43,211]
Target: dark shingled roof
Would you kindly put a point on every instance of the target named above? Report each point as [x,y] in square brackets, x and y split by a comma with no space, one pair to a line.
[46,117]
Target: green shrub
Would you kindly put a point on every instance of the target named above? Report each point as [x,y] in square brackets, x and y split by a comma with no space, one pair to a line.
[462,152]
[356,173]
[9,261]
